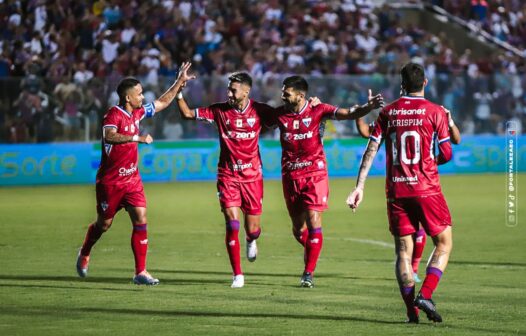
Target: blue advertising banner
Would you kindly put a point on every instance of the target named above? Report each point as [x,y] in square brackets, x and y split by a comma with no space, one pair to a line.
[196,160]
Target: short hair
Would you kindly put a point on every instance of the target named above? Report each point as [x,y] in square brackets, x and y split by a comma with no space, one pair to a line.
[298,83]
[413,77]
[123,87]
[240,77]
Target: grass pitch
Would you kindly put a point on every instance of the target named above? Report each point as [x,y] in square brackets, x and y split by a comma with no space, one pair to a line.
[483,291]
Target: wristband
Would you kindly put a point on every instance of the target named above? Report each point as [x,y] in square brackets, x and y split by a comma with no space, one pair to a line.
[179,96]
[135,138]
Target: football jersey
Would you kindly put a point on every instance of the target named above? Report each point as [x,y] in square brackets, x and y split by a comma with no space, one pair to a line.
[239,158]
[119,162]
[411,127]
[301,139]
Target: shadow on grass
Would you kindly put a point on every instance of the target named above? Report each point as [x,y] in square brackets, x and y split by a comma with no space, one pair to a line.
[277,275]
[458,262]
[187,313]
[67,287]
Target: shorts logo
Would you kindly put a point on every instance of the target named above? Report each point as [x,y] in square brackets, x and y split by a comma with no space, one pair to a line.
[306,121]
[296,124]
[251,121]
[104,206]
[239,123]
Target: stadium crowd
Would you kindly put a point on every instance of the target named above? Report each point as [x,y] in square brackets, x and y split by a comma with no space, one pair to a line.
[60,60]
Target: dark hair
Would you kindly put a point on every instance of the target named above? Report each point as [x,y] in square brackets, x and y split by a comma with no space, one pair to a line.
[413,77]
[298,83]
[123,87]
[241,77]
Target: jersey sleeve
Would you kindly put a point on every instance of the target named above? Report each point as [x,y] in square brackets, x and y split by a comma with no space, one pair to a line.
[328,111]
[442,130]
[111,120]
[148,110]
[379,127]
[205,114]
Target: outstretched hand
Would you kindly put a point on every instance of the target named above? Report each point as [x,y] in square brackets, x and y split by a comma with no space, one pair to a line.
[375,101]
[183,72]
[355,198]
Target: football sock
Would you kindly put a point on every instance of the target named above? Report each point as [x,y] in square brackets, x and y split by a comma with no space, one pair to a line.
[302,238]
[92,236]
[420,243]
[313,249]
[139,244]
[408,295]
[433,276]
[253,235]
[232,245]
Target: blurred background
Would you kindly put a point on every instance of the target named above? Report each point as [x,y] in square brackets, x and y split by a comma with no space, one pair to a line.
[60,60]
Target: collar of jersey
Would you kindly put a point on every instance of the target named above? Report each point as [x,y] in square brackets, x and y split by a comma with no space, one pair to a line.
[245,109]
[414,97]
[302,109]
[123,111]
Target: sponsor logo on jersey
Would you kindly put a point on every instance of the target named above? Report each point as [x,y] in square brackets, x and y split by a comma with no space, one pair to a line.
[298,165]
[239,135]
[127,171]
[306,121]
[397,179]
[239,123]
[251,121]
[240,166]
[403,111]
[296,124]
[299,136]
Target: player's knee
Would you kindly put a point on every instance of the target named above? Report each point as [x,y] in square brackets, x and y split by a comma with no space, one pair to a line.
[103,225]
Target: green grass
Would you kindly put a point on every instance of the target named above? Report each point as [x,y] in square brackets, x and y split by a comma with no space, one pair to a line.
[483,292]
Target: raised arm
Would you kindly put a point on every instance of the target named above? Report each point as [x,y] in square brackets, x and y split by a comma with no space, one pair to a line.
[358,111]
[166,98]
[356,196]
[185,111]
[454,132]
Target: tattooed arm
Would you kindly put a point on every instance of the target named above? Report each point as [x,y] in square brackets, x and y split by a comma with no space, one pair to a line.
[112,137]
[356,196]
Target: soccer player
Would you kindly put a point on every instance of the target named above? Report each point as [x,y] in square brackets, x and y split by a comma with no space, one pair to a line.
[410,126]
[239,171]
[303,164]
[119,184]
[419,237]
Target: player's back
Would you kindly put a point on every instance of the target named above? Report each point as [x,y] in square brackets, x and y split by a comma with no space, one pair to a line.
[411,127]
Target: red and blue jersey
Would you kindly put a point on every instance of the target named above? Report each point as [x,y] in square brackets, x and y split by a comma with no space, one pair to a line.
[301,136]
[119,162]
[411,128]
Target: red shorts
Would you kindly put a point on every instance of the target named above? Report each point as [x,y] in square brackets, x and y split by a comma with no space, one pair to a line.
[404,214]
[112,198]
[245,195]
[309,193]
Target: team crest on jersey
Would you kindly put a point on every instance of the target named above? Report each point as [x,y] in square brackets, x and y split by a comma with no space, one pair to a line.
[251,121]
[104,206]
[306,121]
[239,123]
[296,124]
